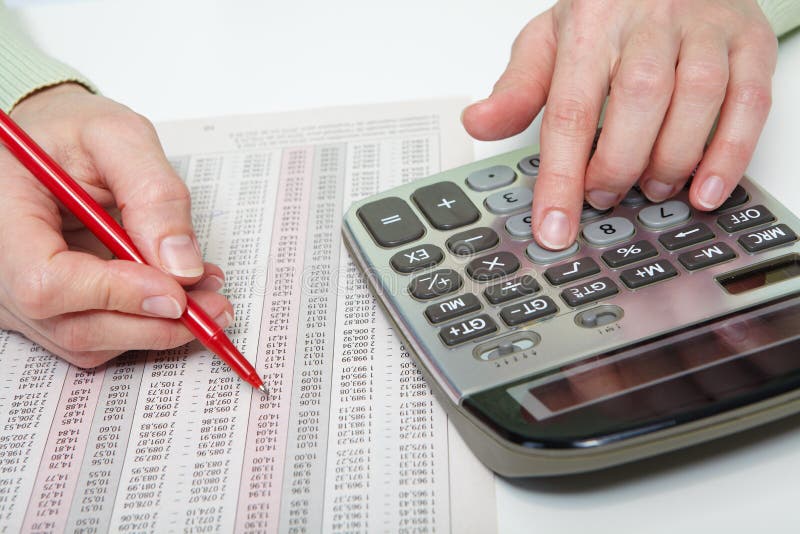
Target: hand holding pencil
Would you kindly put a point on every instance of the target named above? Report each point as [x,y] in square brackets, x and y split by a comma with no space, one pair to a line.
[59,286]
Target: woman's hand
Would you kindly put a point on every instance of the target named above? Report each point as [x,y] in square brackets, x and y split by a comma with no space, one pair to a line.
[668,67]
[58,285]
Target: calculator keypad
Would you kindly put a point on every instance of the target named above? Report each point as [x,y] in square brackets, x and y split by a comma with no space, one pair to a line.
[492,266]
[472,241]
[452,308]
[435,284]
[569,272]
[417,258]
[608,231]
[505,202]
[491,288]
[391,222]
[445,206]
[686,236]
[767,238]
[665,215]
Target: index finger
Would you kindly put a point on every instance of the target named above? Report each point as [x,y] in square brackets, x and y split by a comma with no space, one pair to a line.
[579,86]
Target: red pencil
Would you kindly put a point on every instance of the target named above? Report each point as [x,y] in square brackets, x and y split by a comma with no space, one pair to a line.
[111,234]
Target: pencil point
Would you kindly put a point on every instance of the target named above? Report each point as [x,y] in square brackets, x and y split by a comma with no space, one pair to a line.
[264,390]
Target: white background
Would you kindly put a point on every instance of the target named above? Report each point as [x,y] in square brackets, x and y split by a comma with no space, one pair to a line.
[172,59]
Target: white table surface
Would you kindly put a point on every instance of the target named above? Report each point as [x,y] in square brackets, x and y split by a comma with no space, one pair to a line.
[172,59]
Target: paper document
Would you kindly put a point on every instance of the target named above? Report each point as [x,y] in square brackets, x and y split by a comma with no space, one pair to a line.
[350,440]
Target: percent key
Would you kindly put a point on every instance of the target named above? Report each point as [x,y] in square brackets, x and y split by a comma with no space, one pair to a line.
[630,253]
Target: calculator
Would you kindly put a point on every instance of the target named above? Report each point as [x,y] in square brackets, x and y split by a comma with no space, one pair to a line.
[660,327]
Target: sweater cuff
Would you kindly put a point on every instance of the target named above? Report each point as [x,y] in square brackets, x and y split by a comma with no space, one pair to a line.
[783,15]
[24,70]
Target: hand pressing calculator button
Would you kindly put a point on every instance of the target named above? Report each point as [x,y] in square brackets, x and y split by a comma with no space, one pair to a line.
[445,205]
[647,286]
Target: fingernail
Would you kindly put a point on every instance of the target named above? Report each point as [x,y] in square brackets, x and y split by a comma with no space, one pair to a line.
[554,232]
[163,306]
[211,283]
[657,191]
[180,257]
[602,200]
[711,191]
[224,319]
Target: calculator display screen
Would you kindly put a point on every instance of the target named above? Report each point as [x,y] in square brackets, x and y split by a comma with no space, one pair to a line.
[679,360]
[694,373]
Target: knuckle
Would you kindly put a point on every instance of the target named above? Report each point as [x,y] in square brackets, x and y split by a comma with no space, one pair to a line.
[643,79]
[570,116]
[705,81]
[516,76]
[753,95]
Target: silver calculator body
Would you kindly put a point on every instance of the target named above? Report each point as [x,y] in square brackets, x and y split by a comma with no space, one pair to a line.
[662,327]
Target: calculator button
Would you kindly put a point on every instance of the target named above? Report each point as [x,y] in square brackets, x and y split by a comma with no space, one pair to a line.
[738,197]
[491,178]
[589,292]
[445,205]
[391,222]
[492,266]
[706,256]
[608,231]
[528,310]
[634,198]
[511,289]
[452,308]
[649,273]
[686,236]
[773,236]
[629,253]
[745,218]
[519,225]
[437,283]
[588,212]
[416,258]
[538,254]
[529,165]
[472,241]
[569,272]
[466,330]
[505,202]
[665,214]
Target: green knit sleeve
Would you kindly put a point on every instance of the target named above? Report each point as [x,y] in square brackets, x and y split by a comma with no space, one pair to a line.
[24,68]
[783,15]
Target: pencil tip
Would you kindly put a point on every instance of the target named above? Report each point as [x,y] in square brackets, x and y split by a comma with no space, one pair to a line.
[264,390]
